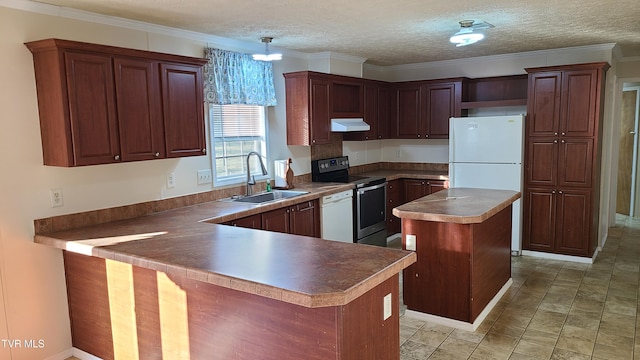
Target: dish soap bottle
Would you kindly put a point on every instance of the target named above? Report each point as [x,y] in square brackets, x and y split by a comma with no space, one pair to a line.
[289,175]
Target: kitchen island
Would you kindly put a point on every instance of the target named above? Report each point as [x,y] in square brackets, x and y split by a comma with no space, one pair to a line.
[462,237]
[172,285]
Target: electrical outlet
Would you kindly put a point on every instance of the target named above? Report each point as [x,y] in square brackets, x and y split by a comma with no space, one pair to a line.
[171,181]
[204,176]
[410,242]
[55,195]
[387,307]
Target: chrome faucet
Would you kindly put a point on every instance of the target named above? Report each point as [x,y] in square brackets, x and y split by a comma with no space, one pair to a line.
[251,180]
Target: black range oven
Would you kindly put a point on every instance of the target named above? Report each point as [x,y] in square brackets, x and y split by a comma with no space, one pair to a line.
[369,203]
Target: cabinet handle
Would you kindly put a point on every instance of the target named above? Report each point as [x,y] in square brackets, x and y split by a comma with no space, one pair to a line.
[157,154]
[117,157]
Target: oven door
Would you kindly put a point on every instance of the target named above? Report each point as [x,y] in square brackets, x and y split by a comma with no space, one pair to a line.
[370,214]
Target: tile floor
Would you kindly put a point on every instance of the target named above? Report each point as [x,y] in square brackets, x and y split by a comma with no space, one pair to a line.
[554,310]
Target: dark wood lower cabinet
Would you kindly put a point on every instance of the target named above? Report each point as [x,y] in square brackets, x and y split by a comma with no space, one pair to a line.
[250,222]
[558,221]
[299,219]
[121,311]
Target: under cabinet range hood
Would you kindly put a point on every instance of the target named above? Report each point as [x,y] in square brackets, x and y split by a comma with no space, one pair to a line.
[346,125]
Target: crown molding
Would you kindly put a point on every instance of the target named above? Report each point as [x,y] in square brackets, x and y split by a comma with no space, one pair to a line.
[510,56]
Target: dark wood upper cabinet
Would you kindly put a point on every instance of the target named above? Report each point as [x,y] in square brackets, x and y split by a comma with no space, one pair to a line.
[408,111]
[182,100]
[103,104]
[422,109]
[139,113]
[308,108]
[92,114]
[495,91]
[347,97]
[376,112]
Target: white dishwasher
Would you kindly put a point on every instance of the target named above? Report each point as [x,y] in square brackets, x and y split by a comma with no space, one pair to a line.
[336,212]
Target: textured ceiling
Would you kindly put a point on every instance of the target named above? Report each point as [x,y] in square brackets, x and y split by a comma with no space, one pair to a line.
[392,32]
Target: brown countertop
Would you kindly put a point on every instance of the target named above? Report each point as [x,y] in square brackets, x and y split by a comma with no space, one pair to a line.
[458,205]
[301,270]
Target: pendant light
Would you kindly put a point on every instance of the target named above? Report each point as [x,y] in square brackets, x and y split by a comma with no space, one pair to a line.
[267,56]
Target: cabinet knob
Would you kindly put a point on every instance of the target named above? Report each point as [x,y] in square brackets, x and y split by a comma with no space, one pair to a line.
[426,136]
[204,151]
[559,191]
[555,134]
[555,141]
[563,141]
[553,191]
[563,133]
[116,158]
[313,141]
[379,136]
[418,135]
[366,138]
[157,154]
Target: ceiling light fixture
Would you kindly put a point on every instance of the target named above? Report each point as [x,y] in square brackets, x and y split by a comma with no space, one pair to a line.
[466,36]
[267,56]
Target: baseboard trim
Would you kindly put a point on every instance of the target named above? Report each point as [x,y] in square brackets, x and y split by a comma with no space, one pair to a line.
[457,324]
[544,255]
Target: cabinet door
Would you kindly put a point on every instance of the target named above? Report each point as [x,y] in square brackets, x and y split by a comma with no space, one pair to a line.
[251,222]
[435,186]
[92,108]
[574,222]
[276,220]
[579,89]
[539,228]
[408,112]
[139,112]
[542,161]
[575,162]
[319,116]
[394,199]
[384,112]
[371,111]
[305,219]
[440,100]
[183,110]
[414,189]
[543,104]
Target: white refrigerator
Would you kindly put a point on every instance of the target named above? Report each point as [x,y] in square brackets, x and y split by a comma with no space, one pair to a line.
[487,152]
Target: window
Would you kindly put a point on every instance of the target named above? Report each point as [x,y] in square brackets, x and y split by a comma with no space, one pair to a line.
[237,130]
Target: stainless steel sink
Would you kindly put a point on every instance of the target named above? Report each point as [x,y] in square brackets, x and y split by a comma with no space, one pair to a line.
[269,196]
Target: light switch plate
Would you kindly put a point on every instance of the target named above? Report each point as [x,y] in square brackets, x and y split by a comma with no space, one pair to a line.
[387,307]
[410,242]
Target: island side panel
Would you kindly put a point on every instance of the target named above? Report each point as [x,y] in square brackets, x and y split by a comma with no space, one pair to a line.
[491,259]
[365,334]
[439,282]
[123,311]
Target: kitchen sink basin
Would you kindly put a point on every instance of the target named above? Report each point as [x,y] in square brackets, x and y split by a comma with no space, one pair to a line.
[270,196]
